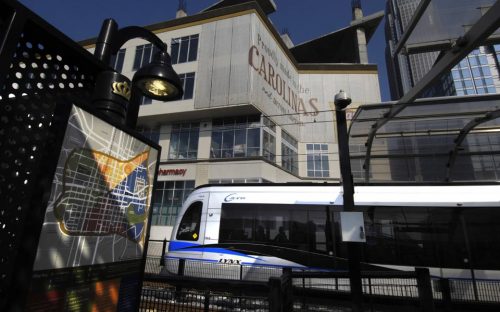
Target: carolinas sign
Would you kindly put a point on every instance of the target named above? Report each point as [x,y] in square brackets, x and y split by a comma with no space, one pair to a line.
[172,172]
[282,84]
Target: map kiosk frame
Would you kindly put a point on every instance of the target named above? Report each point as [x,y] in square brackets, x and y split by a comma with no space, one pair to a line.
[92,246]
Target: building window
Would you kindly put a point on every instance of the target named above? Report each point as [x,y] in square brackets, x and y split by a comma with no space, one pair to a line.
[117,60]
[238,180]
[143,55]
[168,199]
[235,137]
[187,81]
[269,137]
[184,49]
[289,153]
[317,160]
[184,141]
[151,133]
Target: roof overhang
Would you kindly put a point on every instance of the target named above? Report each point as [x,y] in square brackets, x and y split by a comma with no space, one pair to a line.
[268,6]
[339,46]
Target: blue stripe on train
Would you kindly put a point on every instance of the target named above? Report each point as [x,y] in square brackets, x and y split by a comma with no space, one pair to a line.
[184,246]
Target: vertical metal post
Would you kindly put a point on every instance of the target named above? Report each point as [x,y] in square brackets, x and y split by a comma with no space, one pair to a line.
[469,254]
[446,292]
[341,102]
[275,303]
[206,302]
[162,259]
[424,289]
[286,288]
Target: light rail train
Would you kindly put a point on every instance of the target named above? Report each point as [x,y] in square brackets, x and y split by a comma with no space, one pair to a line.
[454,230]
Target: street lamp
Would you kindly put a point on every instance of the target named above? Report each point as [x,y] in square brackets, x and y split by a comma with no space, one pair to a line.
[342,100]
[114,94]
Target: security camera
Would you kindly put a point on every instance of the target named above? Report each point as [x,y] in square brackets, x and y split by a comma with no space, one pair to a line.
[342,100]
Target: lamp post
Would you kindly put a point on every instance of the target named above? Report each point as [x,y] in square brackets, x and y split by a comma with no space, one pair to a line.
[119,98]
[115,95]
[342,100]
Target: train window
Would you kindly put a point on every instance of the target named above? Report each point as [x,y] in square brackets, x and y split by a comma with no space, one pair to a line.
[482,227]
[403,235]
[433,236]
[189,228]
[237,225]
[276,221]
[303,227]
[317,230]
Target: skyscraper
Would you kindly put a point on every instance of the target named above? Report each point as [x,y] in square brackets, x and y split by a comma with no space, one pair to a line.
[478,73]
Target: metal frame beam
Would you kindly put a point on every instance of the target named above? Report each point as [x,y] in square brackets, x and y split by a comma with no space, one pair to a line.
[463,134]
[477,34]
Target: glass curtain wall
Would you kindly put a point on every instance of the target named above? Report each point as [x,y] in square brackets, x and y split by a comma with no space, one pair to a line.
[269,138]
[235,137]
[168,199]
[473,75]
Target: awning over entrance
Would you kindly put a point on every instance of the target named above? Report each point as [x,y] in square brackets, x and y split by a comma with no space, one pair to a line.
[449,139]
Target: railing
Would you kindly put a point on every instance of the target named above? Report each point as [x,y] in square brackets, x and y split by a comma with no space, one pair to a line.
[409,290]
[161,297]
[463,290]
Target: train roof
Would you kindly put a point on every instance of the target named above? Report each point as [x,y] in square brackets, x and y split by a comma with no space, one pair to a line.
[458,195]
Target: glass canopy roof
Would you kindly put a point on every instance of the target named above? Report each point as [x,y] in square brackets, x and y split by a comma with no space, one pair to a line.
[447,20]
[449,139]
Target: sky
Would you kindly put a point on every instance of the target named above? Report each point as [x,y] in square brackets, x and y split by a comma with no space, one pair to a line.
[304,19]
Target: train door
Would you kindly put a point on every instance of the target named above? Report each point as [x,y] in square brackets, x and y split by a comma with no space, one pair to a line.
[212,226]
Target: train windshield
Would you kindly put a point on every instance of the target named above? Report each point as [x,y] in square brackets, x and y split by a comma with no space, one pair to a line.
[189,228]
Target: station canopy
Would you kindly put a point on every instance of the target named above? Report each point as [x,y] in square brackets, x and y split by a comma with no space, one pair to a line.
[448,139]
[444,21]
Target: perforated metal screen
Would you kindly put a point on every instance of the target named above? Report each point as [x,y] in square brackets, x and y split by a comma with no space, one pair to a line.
[39,68]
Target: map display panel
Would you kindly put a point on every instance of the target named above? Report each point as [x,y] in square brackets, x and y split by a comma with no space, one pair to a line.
[100,199]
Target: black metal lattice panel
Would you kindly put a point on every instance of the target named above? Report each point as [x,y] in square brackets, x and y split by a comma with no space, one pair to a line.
[40,66]
[24,133]
[45,68]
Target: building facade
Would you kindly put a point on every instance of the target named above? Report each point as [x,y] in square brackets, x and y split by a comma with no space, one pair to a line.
[250,112]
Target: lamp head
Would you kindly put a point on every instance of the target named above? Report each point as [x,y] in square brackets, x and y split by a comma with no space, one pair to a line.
[158,80]
[342,100]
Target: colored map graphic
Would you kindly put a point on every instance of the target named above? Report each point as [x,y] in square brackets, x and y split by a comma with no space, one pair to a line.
[99,204]
[102,195]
